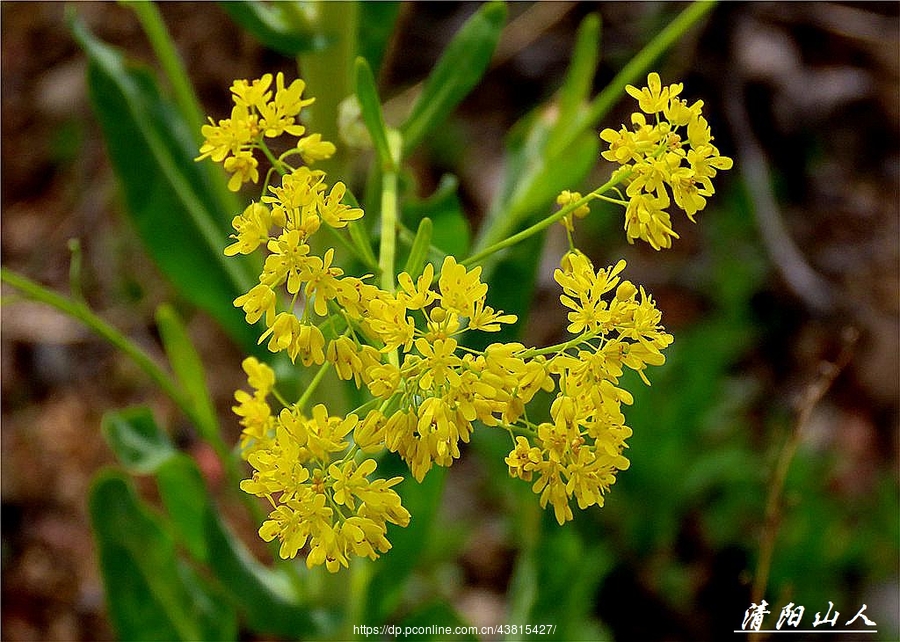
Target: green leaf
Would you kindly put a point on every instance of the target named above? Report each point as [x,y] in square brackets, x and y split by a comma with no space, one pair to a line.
[168,197]
[266,599]
[370,107]
[418,252]
[450,228]
[379,19]
[136,439]
[183,493]
[150,594]
[189,370]
[407,544]
[459,69]
[143,448]
[534,177]
[277,26]
[576,88]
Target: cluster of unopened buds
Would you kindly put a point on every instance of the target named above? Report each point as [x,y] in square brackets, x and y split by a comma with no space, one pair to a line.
[408,348]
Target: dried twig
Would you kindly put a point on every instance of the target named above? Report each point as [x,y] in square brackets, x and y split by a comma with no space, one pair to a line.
[813,394]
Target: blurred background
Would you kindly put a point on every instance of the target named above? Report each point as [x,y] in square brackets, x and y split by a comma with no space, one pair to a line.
[794,264]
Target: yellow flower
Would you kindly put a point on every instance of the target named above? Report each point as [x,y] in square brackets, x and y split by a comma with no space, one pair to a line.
[312,148]
[388,321]
[279,115]
[523,459]
[335,213]
[486,319]
[251,94]
[260,376]
[646,218]
[419,295]
[565,198]
[308,343]
[654,97]
[252,228]
[243,167]
[322,283]
[288,261]
[459,288]
[282,331]
[438,364]
[342,353]
[259,301]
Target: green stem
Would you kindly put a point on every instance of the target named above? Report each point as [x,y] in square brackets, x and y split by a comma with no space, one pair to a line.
[182,89]
[185,98]
[311,388]
[81,312]
[329,73]
[559,347]
[509,218]
[389,223]
[389,219]
[639,65]
[548,221]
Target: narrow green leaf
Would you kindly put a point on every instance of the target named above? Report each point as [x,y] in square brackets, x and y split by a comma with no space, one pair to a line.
[168,198]
[370,107]
[276,26]
[459,69]
[379,19]
[189,370]
[363,243]
[136,439]
[266,598]
[576,88]
[419,250]
[150,594]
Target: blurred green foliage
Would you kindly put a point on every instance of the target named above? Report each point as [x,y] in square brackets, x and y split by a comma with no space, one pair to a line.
[690,506]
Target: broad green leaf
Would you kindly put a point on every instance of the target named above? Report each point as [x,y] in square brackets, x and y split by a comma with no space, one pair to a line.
[167,196]
[370,107]
[188,368]
[267,599]
[450,228]
[136,439]
[459,69]
[143,448]
[378,19]
[391,570]
[184,495]
[150,594]
[422,622]
[281,26]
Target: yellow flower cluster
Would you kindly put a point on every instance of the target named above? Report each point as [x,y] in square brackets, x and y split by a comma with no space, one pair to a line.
[408,347]
[258,113]
[578,452]
[330,504]
[671,154]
